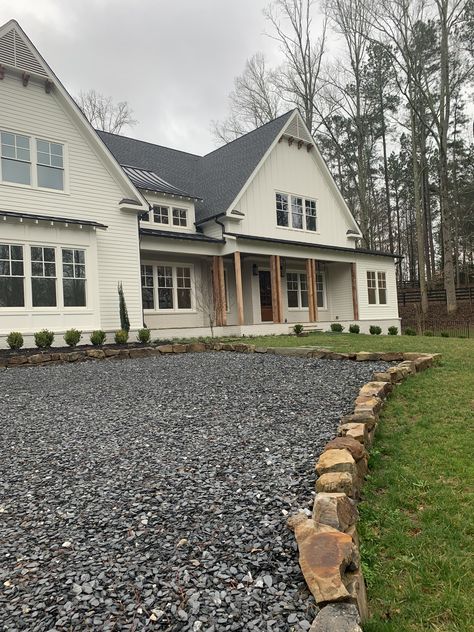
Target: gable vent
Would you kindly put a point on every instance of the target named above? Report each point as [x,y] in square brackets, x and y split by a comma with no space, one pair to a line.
[14,52]
[297,130]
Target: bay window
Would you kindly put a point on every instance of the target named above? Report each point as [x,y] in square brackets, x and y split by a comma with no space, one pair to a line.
[43,276]
[12,290]
[74,278]
[16,161]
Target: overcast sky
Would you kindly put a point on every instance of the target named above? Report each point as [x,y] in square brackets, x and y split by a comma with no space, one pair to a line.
[174,61]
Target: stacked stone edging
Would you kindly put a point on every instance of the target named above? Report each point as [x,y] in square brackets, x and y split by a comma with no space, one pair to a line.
[328,542]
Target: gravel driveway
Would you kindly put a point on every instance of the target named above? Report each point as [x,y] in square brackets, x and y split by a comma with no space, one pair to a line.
[153,493]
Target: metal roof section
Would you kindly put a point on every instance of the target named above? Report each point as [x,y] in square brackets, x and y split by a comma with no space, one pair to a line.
[51,219]
[288,242]
[169,234]
[148,180]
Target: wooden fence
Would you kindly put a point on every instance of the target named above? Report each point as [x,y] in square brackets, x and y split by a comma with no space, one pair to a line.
[406,296]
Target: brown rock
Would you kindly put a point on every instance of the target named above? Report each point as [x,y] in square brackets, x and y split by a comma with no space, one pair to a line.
[196,347]
[165,348]
[378,389]
[336,461]
[111,353]
[358,432]
[39,358]
[124,353]
[347,443]
[396,374]
[382,377]
[342,482]
[355,585]
[260,350]
[421,364]
[97,354]
[72,356]
[365,356]
[411,355]
[337,617]
[391,356]
[217,346]
[335,510]
[407,367]
[143,352]
[370,419]
[227,347]
[180,348]
[369,404]
[16,360]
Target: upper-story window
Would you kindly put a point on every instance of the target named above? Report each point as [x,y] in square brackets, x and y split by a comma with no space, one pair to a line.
[161,215]
[16,160]
[50,165]
[31,161]
[180,217]
[303,212]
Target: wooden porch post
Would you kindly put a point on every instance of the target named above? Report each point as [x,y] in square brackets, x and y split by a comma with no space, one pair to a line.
[238,287]
[311,283]
[314,265]
[277,299]
[218,291]
[355,299]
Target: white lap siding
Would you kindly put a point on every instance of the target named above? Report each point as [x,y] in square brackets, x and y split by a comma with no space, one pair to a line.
[376,312]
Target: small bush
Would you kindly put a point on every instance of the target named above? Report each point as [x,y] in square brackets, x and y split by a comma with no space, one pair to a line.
[121,337]
[298,329]
[428,333]
[337,327]
[144,335]
[445,334]
[354,329]
[72,337]
[375,330]
[98,337]
[15,340]
[44,338]
[392,331]
[410,332]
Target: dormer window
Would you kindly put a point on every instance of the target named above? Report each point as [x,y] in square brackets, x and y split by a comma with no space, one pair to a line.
[303,214]
[180,217]
[161,215]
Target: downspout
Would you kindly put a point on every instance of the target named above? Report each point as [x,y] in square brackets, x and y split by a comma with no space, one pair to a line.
[139,218]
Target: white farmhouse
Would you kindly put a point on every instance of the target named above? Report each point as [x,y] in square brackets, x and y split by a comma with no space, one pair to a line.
[250,238]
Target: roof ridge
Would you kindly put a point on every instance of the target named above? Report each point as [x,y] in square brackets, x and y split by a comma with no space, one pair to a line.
[250,132]
[147,142]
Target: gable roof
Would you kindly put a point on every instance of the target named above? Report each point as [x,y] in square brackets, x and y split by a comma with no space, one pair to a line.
[217,178]
[19,54]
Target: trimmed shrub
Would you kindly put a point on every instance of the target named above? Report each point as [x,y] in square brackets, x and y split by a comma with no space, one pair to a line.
[375,330]
[15,340]
[44,338]
[121,337]
[98,337]
[354,329]
[337,327]
[392,331]
[298,329]
[410,332]
[144,335]
[72,337]
[444,334]
[428,333]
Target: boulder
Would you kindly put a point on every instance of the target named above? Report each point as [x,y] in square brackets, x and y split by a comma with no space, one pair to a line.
[227,347]
[370,419]
[365,356]
[407,367]
[72,356]
[143,352]
[17,359]
[382,376]
[217,346]
[111,353]
[260,350]
[342,482]
[298,352]
[337,617]
[378,389]
[40,358]
[165,348]
[391,356]
[421,364]
[358,432]
[347,443]
[179,348]
[197,347]
[355,584]
[336,461]
[368,404]
[335,510]
[97,354]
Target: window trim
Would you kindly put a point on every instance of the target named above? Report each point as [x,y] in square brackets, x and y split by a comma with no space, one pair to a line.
[376,288]
[324,308]
[186,218]
[9,308]
[304,199]
[300,307]
[34,163]
[85,279]
[174,265]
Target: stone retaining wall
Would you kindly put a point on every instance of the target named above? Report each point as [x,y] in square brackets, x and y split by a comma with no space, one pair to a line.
[328,542]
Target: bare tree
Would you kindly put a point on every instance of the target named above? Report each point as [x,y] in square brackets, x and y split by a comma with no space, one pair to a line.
[102,113]
[299,77]
[207,300]
[255,100]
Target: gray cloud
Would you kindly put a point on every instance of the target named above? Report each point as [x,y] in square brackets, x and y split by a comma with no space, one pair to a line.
[173,61]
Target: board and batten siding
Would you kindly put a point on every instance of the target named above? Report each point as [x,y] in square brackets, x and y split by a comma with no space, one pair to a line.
[290,170]
[91,193]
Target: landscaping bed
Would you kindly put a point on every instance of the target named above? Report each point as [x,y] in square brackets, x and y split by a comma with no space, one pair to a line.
[157,490]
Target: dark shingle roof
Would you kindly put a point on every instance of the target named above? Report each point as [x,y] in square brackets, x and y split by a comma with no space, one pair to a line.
[149,181]
[169,234]
[217,178]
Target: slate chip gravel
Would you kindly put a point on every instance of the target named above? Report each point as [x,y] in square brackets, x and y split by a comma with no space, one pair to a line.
[152,494]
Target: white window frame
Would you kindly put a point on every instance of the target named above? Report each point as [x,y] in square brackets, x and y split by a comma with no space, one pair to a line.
[324,307]
[27,162]
[14,308]
[290,197]
[299,274]
[41,164]
[85,278]
[377,287]
[161,207]
[173,265]
[34,163]
[180,210]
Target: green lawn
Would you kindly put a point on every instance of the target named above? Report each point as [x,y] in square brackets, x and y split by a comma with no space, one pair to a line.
[417,516]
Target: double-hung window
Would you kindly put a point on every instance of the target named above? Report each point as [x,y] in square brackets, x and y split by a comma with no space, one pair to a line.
[183,283]
[161,215]
[50,165]
[297,290]
[377,287]
[74,278]
[165,287]
[16,159]
[320,290]
[43,276]
[303,215]
[180,217]
[12,290]
[148,287]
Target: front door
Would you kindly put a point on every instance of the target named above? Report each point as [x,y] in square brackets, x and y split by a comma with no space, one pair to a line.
[265,295]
